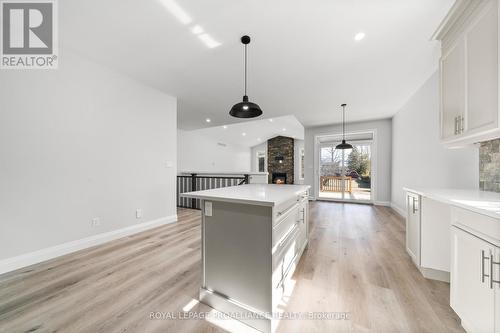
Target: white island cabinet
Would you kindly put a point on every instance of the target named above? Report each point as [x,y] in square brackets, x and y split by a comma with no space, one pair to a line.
[252,239]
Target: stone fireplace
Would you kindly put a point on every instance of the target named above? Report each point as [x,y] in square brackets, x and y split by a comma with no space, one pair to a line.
[280,160]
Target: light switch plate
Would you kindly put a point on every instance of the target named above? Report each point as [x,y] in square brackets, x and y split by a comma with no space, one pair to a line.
[208,208]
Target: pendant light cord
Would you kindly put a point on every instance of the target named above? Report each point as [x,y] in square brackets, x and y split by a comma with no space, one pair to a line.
[245,69]
[343,123]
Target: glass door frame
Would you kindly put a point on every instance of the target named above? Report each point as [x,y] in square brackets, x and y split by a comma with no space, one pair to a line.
[373,166]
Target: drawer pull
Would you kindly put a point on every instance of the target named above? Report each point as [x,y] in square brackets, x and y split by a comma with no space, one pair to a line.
[286,210]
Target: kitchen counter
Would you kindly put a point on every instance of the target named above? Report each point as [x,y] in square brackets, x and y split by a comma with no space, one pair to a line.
[252,237]
[481,202]
[256,194]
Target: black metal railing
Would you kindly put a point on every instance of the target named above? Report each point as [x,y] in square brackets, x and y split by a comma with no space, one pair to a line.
[193,182]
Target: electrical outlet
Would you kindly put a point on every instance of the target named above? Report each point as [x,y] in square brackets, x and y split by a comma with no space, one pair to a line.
[96,222]
[208,208]
[138,213]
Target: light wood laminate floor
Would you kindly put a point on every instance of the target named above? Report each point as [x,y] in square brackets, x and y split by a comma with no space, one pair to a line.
[355,263]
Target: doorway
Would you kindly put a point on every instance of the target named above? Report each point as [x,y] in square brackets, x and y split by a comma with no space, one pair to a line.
[345,175]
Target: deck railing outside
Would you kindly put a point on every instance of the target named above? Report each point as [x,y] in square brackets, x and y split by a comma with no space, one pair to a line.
[195,182]
[334,184]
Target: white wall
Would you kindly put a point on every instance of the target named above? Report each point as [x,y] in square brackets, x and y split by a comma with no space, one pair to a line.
[77,143]
[253,154]
[382,150]
[298,145]
[419,160]
[198,152]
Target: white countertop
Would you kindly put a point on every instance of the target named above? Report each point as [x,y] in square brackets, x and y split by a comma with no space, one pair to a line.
[256,194]
[482,202]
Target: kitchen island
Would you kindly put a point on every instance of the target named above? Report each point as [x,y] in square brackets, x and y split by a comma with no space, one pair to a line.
[252,239]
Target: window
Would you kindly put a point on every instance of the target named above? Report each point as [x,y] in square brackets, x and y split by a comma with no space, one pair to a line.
[301,163]
[261,161]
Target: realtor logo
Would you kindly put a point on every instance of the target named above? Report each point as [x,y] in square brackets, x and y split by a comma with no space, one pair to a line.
[29,34]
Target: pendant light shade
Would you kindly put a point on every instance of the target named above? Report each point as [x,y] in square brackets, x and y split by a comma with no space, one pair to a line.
[344,145]
[245,109]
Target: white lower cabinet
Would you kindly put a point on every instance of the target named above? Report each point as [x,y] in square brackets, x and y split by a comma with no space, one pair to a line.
[303,222]
[288,249]
[474,272]
[413,227]
[428,235]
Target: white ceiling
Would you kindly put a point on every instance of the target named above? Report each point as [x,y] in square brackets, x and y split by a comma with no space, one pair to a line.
[256,131]
[303,59]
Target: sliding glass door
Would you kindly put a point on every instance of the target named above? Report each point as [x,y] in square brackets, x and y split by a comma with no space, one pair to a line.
[345,175]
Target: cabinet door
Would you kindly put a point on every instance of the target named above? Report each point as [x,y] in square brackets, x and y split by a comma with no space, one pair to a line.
[482,71]
[452,89]
[470,294]
[496,276]
[413,227]
[303,223]
[435,235]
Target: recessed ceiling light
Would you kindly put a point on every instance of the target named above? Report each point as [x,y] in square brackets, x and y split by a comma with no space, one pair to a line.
[224,127]
[284,129]
[208,40]
[176,10]
[258,139]
[208,120]
[359,36]
[244,134]
[271,120]
[196,30]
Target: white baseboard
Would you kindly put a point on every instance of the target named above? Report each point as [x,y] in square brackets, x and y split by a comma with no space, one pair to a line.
[398,209]
[435,274]
[11,264]
[382,203]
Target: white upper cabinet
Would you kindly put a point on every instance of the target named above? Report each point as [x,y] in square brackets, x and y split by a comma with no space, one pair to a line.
[469,73]
[453,90]
[482,71]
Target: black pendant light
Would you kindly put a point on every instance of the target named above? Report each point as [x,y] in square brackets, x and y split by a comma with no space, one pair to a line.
[245,109]
[343,145]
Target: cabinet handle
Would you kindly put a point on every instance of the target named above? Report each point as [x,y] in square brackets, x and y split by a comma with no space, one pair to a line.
[456,125]
[283,212]
[483,274]
[415,209]
[492,276]
[461,124]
